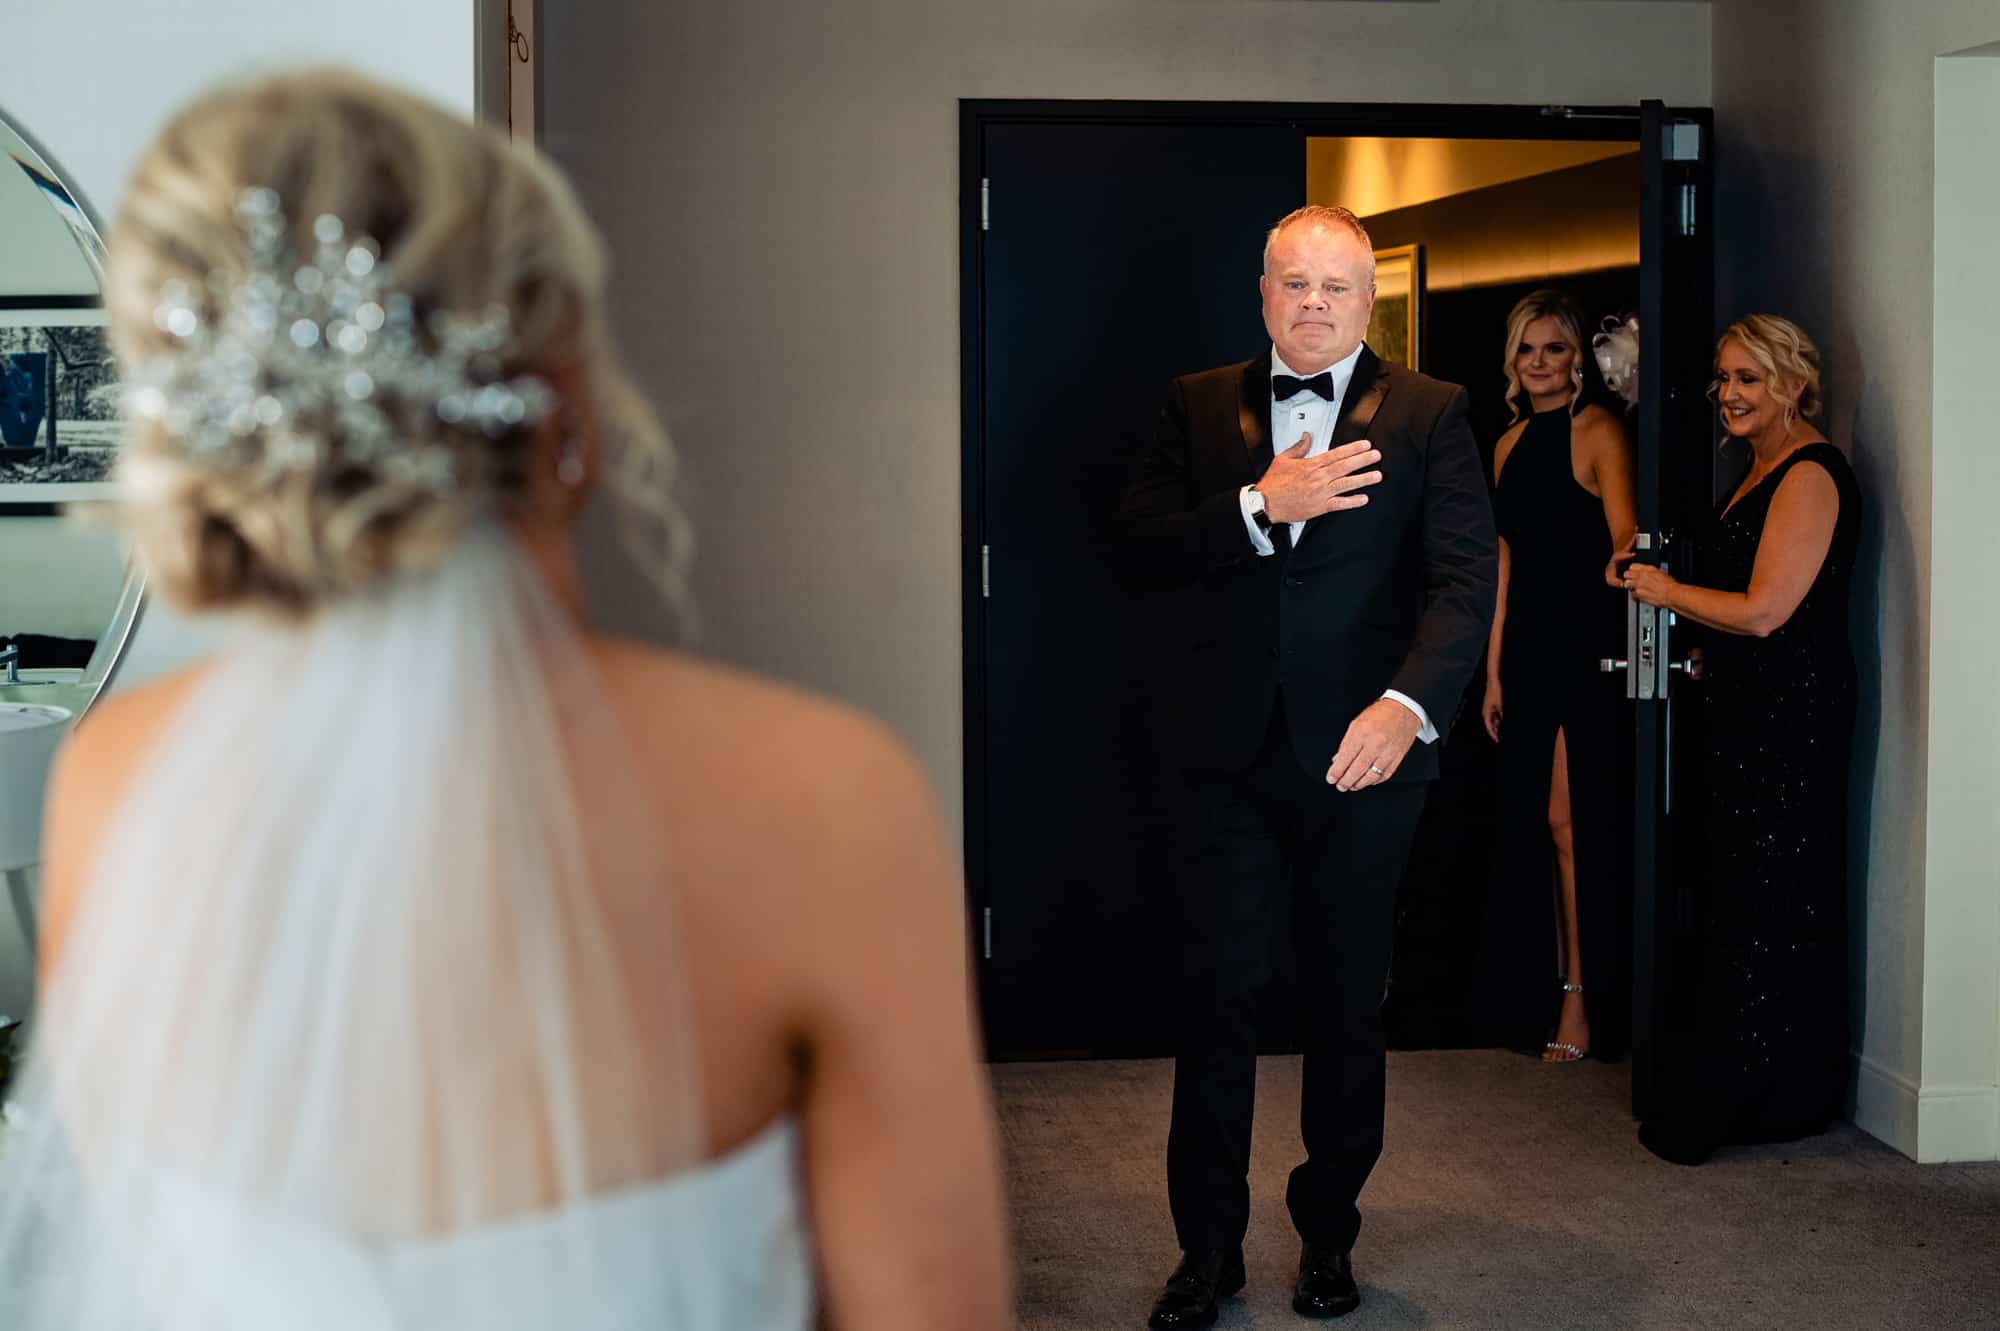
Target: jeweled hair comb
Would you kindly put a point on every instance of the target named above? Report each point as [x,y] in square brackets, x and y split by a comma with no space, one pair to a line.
[306,361]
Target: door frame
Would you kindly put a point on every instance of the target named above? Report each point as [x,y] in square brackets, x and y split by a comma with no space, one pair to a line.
[1310,119]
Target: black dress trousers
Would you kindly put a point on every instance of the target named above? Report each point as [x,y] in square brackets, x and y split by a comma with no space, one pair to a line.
[1275,847]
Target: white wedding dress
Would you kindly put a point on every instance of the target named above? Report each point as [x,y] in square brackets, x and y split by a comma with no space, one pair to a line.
[372,1017]
[723,1245]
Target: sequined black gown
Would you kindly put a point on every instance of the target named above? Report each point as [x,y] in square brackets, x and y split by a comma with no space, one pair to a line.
[1562,619]
[1756,1048]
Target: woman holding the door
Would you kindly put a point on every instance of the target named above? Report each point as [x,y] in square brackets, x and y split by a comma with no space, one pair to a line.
[1759,1046]
[1559,900]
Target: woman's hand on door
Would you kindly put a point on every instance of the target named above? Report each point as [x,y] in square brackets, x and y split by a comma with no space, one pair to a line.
[1614,572]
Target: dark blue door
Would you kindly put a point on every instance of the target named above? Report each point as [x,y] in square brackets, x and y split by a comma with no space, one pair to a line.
[1114,256]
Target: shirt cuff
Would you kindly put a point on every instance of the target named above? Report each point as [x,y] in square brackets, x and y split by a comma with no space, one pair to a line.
[1259,540]
[1426,732]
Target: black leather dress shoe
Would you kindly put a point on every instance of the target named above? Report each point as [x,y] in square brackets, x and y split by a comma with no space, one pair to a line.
[1204,1275]
[1326,1283]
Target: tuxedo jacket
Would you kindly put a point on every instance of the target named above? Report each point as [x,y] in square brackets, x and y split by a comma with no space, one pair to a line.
[1397,594]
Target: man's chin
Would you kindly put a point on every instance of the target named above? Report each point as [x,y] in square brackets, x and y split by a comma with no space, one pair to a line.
[1319,352]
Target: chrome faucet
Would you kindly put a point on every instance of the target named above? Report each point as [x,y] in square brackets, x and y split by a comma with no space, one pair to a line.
[10,656]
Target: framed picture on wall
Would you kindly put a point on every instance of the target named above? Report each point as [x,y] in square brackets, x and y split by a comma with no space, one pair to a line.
[59,424]
[1395,330]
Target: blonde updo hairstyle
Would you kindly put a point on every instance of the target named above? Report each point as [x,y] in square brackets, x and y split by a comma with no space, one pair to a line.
[466,220]
[1546,303]
[1787,356]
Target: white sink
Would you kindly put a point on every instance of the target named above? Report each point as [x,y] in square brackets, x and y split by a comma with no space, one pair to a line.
[29,734]
[51,688]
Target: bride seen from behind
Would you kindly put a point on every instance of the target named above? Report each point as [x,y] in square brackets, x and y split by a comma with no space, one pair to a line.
[426,958]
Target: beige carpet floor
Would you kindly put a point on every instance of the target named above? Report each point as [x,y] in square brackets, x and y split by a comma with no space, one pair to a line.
[1510,1195]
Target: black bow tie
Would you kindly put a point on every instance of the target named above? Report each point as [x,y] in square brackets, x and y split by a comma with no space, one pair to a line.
[1285,387]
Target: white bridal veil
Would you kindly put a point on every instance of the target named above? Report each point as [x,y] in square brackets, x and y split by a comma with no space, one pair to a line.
[376,959]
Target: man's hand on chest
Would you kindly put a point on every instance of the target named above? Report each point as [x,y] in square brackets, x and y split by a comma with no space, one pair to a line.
[1298,487]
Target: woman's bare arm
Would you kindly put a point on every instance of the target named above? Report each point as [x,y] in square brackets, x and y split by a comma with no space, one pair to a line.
[1611,469]
[1798,531]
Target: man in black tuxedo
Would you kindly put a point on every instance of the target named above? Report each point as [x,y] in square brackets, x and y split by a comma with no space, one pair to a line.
[1341,593]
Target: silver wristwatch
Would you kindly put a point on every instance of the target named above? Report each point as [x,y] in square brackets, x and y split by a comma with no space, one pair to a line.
[1257,513]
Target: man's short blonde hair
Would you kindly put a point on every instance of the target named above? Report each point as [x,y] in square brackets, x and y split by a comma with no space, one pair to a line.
[1323,215]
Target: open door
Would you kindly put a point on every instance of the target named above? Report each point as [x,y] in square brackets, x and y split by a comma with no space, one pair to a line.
[1677,474]
[1106,247]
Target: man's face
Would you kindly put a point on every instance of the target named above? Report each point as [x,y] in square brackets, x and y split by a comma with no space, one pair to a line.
[1317,294]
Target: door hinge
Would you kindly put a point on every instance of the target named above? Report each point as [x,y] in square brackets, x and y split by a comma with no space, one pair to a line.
[985,572]
[1687,210]
[988,947]
[1683,142]
[985,204]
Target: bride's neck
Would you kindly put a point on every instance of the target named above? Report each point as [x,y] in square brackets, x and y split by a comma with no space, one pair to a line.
[553,551]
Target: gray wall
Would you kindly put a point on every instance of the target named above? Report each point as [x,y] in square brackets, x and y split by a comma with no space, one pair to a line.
[779,182]
[1825,130]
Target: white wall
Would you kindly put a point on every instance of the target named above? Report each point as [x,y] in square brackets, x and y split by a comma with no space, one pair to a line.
[1959,1106]
[779,182]
[91,82]
[1825,122]
[58,577]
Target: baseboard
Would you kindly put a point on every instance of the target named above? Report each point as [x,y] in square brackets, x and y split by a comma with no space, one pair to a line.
[1886,1105]
[1930,1124]
[1958,1123]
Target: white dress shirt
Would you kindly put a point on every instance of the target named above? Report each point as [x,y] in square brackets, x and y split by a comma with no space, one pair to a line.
[1305,412]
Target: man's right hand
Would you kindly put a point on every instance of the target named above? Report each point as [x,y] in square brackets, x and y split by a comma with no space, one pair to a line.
[1297,488]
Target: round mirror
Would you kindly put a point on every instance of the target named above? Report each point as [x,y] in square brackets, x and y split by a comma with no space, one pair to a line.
[68,595]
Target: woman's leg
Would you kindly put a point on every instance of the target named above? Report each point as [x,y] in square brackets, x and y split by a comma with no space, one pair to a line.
[1572,1027]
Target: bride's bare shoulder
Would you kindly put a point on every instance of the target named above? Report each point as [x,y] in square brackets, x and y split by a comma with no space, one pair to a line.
[721,727]
[92,769]
[782,806]
[118,728]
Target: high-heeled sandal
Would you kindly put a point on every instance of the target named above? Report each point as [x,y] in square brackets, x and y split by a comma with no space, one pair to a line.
[1571,1053]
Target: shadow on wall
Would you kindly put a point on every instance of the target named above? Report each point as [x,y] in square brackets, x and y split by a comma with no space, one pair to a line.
[1799,256]
[1791,247]
[1841,363]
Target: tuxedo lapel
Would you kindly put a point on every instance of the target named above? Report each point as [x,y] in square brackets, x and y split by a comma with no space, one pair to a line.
[1253,414]
[1253,422]
[1365,390]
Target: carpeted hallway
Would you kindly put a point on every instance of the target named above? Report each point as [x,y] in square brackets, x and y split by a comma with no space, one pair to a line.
[1510,1195]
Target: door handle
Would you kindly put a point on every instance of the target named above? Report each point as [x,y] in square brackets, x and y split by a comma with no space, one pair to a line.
[1611,665]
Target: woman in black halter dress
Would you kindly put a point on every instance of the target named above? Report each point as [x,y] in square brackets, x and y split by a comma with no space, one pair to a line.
[1558,902]
[1758,1050]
